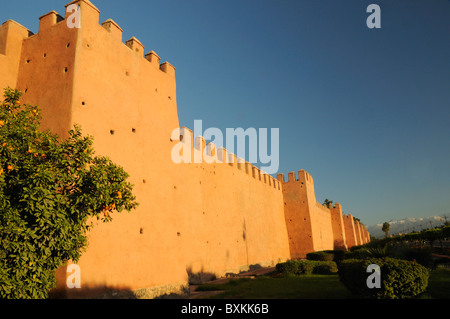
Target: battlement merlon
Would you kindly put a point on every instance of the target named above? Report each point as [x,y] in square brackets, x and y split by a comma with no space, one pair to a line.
[337,207]
[89,18]
[12,35]
[12,32]
[48,20]
[90,15]
[135,45]
[199,151]
[303,177]
[153,58]
[112,27]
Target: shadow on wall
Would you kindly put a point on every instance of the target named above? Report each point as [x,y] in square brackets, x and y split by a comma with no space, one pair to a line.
[109,292]
[105,292]
[102,291]
[94,292]
[196,278]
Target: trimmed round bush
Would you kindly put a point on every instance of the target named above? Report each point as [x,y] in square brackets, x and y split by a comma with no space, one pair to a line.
[289,267]
[306,267]
[400,279]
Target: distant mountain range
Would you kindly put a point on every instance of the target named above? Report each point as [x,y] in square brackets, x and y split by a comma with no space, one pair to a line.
[407,225]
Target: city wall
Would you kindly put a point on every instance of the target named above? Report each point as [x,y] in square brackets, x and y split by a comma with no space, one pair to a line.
[195,221]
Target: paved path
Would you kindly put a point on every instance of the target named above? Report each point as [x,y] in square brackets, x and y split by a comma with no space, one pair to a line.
[193,294]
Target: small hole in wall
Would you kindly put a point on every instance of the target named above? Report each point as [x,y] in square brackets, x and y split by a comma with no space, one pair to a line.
[28,61]
[68,45]
[133,130]
[66,69]
[83,103]
[127,73]
[45,55]
[178,234]
[26,90]
[111,132]
[169,97]
[141,231]
[144,181]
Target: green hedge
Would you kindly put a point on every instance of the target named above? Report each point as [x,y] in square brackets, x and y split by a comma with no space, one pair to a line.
[338,255]
[327,255]
[306,267]
[394,250]
[400,279]
[320,255]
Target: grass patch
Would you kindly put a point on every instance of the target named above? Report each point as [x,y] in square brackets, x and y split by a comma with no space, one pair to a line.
[281,287]
[439,284]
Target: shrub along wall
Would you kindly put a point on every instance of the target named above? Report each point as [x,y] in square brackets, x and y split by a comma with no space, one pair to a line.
[400,279]
[306,267]
[327,255]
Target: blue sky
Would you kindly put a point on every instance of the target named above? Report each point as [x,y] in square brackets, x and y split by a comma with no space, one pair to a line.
[365,111]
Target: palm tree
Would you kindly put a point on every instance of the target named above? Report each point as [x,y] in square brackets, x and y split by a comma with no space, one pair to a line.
[386,228]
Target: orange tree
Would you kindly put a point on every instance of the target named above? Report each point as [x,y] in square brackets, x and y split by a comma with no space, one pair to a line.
[49,189]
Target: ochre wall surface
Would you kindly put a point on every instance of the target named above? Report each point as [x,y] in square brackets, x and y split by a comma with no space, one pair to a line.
[195,220]
[312,226]
[12,35]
